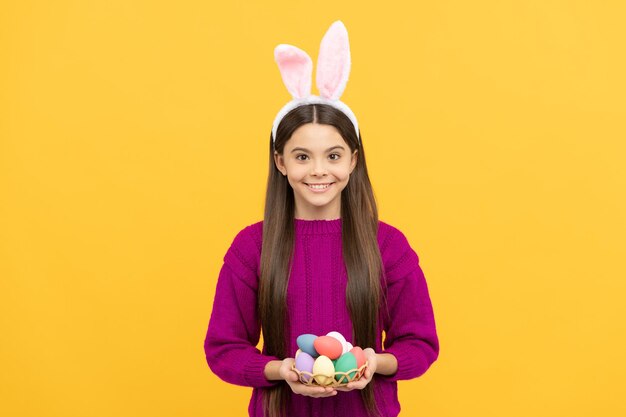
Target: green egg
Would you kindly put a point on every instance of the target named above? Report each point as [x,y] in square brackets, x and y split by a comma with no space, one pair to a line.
[345,363]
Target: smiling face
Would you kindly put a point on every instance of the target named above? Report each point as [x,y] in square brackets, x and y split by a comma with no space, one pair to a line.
[318,163]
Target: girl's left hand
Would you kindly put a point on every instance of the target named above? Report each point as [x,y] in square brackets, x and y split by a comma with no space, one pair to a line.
[370,357]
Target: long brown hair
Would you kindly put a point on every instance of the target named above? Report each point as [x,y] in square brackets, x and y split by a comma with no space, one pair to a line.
[360,249]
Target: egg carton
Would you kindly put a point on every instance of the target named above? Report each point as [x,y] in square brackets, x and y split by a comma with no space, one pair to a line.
[340,379]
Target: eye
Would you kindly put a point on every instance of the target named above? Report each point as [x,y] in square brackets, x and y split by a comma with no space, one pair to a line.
[337,155]
[298,156]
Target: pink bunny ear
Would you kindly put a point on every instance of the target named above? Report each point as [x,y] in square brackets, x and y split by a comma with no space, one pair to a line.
[296,68]
[333,62]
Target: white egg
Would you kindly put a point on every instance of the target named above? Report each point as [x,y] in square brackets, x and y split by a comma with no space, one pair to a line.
[337,336]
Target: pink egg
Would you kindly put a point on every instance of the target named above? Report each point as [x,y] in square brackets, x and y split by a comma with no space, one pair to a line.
[328,346]
[359,355]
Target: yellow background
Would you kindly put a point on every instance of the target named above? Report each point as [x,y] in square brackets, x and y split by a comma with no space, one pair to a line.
[133,147]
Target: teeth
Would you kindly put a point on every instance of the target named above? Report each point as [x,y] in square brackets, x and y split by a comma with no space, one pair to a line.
[318,187]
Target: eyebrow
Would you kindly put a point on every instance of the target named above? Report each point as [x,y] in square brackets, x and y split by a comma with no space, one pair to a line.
[327,150]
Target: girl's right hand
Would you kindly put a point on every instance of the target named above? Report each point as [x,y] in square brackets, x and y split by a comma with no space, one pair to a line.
[291,377]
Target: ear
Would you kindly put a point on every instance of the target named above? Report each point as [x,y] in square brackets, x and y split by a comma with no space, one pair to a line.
[354,159]
[333,62]
[296,68]
[280,164]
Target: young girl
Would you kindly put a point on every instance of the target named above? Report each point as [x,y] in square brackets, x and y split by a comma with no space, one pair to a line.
[320,261]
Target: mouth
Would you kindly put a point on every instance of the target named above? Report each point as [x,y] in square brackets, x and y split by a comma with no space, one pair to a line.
[319,187]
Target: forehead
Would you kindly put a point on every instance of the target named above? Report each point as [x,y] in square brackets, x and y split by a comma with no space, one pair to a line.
[316,137]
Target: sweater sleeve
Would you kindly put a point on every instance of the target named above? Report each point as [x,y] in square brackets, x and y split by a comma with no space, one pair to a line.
[410,329]
[234,328]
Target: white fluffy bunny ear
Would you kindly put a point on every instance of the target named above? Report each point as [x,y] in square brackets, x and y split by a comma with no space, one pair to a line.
[333,62]
[296,68]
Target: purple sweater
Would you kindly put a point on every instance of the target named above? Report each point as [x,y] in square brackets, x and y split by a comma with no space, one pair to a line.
[316,304]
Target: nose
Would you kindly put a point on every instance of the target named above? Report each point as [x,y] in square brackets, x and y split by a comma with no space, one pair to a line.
[319,168]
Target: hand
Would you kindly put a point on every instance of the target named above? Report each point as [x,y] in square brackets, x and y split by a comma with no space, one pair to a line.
[370,370]
[291,377]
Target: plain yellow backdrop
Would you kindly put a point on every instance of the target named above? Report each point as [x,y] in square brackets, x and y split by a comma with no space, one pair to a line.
[134,146]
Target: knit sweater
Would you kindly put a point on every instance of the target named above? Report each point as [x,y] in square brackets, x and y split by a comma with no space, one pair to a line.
[316,303]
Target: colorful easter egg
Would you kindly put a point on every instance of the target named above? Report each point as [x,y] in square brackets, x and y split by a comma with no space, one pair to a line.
[348,347]
[341,339]
[328,346]
[305,342]
[304,363]
[337,336]
[347,362]
[359,355]
[323,370]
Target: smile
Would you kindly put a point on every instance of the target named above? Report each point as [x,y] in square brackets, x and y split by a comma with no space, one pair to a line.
[319,187]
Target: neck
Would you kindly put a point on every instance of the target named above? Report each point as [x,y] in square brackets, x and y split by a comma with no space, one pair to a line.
[330,213]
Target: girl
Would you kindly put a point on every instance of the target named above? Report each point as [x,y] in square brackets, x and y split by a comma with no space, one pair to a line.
[320,261]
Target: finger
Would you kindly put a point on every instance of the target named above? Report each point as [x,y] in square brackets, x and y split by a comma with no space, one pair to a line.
[328,391]
[360,384]
[317,391]
[310,391]
[324,394]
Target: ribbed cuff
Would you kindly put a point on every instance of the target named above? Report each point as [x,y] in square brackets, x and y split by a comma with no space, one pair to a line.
[254,371]
[410,364]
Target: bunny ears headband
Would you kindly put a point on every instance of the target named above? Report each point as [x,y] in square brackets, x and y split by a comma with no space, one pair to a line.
[333,68]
